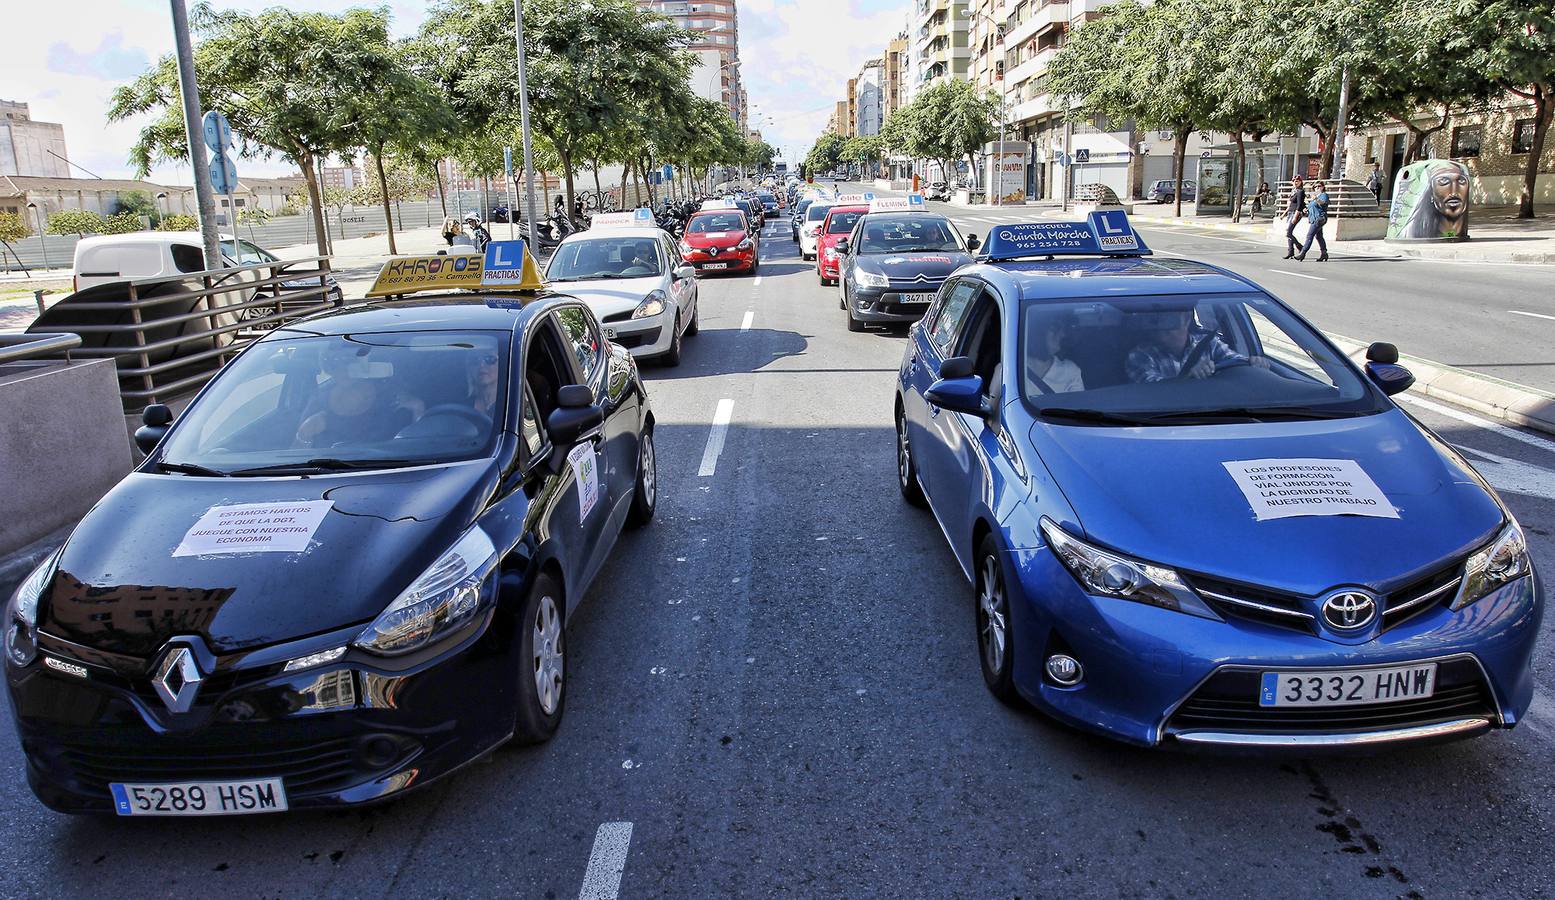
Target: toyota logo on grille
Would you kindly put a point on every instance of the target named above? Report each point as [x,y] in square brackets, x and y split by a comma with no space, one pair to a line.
[1349,610]
[177,679]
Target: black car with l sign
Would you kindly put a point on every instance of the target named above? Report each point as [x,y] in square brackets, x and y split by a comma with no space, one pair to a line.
[345,571]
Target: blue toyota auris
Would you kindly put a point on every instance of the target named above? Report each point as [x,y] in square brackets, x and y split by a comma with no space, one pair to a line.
[1189,518]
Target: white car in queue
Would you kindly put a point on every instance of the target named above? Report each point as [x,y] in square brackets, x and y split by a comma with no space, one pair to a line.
[628,271]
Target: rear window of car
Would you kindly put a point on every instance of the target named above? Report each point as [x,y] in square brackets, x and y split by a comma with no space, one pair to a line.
[817,211]
[842,222]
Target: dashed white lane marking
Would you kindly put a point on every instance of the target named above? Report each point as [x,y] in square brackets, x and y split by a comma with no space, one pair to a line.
[745,323]
[1518,312]
[757,282]
[1299,275]
[602,879]
[715,438]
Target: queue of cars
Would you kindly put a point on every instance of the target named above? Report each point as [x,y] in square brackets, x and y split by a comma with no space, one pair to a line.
[347,568]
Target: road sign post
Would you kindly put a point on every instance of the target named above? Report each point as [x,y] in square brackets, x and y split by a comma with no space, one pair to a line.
[191,98]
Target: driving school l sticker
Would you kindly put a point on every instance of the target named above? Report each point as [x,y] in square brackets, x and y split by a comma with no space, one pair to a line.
[254,528]
[585,468]
[1282,488]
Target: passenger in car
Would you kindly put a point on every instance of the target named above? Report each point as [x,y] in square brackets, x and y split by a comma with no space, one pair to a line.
[1046,371]
[481,367]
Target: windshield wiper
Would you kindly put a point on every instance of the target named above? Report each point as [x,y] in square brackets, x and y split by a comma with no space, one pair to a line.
[191,469]
[1099,416]
[328,464]
[1256,413]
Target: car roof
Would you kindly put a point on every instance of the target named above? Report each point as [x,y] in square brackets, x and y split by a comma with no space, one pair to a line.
[903,215]
[614,231]
[474,311]
[1119,277]
[848,207]
[185,238]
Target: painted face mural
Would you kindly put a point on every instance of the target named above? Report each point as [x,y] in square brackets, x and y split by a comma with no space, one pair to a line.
[1430,202]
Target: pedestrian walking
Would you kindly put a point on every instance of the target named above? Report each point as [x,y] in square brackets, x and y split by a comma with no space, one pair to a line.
[1374,180]
[1295,209]
[1317,214]
[450,229]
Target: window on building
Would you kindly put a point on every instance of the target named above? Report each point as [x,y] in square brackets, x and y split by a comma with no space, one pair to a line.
[1465,141]
[1522,136]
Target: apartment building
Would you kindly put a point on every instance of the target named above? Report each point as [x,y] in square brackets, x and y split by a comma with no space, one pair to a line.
[940,41]
[716,23]
[897,66]
[869,98]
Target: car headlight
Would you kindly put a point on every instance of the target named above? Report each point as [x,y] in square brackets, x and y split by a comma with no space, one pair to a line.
[1495,565]
[744,245]
[871,279]
[21,621]
[1115,575]
[446,596]
[831,252]
[652,305]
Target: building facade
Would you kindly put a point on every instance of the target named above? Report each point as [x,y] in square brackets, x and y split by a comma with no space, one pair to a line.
[716,24]
[28,147]
[941,41]
[869,98]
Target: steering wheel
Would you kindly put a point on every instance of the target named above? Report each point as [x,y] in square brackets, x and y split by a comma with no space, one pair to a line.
[473,416]
[1194,356]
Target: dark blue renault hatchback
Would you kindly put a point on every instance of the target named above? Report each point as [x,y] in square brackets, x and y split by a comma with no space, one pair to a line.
[1189,518]
[345,571]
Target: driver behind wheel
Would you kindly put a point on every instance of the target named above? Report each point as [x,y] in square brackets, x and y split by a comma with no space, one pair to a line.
[480,367]
[353,406]
[1172,347]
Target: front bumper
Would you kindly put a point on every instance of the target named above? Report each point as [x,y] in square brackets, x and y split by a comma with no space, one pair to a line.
[732,261]
[350,732]
[646,337]
[1155,676]
[828,268]
[883,305]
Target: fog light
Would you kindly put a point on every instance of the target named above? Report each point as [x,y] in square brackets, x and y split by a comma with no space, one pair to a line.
[1065,670]
[378,751]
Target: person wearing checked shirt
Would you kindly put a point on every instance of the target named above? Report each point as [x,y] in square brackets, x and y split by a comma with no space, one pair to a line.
[1175,349]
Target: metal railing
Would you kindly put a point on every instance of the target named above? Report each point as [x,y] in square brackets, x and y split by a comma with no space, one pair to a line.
[20,347]
[182,329]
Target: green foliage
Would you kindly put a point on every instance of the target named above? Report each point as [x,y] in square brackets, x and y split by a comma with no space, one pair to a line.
[178,222]
[120,223]
[74,221]
[253,215]
[946,122]
[760,154]
[137,203]
[13,227]
[826,153]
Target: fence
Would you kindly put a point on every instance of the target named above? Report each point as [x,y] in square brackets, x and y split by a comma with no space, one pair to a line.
[168,336]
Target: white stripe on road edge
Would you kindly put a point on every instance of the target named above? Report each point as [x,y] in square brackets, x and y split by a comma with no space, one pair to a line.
[1299,275]
[602,880]
[757,282]
[1471,419]
[715,438]
[1518,312]
[745,323]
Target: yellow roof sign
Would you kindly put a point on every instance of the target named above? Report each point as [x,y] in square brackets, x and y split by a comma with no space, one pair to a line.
[506,264]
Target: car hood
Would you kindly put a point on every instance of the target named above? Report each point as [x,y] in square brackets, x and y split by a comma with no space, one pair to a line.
[608,296]
[1163,494]
[935,265]
[121,589]
[714,238]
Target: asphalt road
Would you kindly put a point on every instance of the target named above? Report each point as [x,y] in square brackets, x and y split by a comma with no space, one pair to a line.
[775,691]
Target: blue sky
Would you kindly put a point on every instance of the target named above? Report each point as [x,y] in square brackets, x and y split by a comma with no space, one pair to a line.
[797,56]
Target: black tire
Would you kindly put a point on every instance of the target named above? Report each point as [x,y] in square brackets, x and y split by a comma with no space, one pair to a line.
[853,324]
[695,325]
[541,627]
[671,357]
[645,492]
[842,298]
[906,466]
[991,615]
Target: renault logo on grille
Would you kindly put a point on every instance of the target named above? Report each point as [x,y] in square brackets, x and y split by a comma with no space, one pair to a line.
[1349,610]
[177,679]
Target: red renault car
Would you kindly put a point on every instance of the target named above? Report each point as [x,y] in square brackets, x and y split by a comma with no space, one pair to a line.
[838,224]
[720,240]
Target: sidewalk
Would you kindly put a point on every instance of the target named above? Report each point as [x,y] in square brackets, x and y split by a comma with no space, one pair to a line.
[1496,236]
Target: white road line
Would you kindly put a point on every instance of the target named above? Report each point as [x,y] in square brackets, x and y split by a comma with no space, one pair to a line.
[757,282]
[745,323]
[602,879]
[1299,275]
[1478,422]
[715,438]
[1518,312]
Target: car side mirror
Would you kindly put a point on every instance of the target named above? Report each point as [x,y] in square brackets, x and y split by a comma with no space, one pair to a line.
[1382,353]
[155,420]
[684,272]
[963,394]
[1392,378]
[842,246]
[575,418]
[972,243]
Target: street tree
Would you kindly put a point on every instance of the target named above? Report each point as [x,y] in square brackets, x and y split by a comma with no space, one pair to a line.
[286,80]
[12,229]
[864,150]
[825,153]
[78,222]
[953,120]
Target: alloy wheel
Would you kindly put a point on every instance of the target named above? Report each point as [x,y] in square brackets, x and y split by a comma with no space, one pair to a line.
[903,453]
[991,615]
[548,662]
[649,473]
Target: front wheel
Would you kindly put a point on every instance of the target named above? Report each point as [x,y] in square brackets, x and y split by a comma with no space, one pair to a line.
[645,493]
[906,466]
[995,644]
[542,677]
[671,357]
[695,324]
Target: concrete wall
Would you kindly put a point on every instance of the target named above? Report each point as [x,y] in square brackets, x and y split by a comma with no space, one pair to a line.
[62,446]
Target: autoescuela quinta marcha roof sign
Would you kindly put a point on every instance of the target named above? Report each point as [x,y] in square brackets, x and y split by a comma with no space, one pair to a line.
[1104,233]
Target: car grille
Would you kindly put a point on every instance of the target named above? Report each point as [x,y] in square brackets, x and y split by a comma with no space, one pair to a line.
[1228,702]
[302,767]
[1297,612]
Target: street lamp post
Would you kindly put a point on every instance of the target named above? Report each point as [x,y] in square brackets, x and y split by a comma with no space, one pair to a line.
[43,241]
[523,117]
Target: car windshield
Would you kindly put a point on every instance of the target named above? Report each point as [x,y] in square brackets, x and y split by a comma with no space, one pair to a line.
[243,253]
[817,211]
[613,257]
[842,222]
[1154,360]
[716,222]
[348,401]
[908,234]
